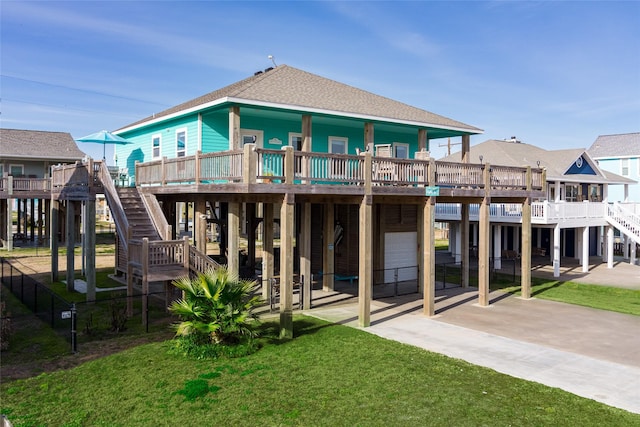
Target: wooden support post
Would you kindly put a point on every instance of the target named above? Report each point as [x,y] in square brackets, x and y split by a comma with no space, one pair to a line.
[306,144]
[423,143]
[288,169]
[10,202]
[249,164]
[466,148]
[233,233]
[365,249]
[54,228]
[286,266]
[328,260]
[267,250]
[484,241]
[464,245]
[428,272]
[251,235]
[70,240]
[145,279]
[525,255]
[200,224]
[369,137]
[234,128]
[305,255]
[90,273]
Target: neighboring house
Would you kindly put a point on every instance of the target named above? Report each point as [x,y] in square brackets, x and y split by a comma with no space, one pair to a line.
[619,154]
[571,221]
[26,157]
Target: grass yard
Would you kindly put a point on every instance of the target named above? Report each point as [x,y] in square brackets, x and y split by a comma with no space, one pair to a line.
[595,296]
[329,375]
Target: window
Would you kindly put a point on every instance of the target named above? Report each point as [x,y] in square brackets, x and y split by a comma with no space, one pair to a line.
[181,142]
[295,140]
[624,167]
[338,145]
[250,136]
[16,170]
[155,146]
[571,192]
[400,150]
[1,170]
[594,193]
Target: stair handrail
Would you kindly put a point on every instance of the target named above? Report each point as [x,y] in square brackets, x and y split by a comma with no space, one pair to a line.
[157,217]
[628,224]
[115,206]
[628,213]
[200,262]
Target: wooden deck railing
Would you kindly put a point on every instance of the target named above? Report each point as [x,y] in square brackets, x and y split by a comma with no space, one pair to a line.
[256,165]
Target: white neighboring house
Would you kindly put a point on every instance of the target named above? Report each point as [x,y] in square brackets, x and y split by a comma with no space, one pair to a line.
[576,218]
[619,154]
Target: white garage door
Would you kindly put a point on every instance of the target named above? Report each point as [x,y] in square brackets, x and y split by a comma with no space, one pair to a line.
[400,252]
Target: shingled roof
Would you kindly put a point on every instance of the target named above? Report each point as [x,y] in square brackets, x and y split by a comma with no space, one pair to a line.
[38,145]
[615,146]
[293,89]
[556,162]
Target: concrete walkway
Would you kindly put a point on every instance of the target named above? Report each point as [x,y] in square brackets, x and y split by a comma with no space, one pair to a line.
[588,352]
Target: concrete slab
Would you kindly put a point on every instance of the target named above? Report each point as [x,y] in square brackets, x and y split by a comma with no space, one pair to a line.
[591,353]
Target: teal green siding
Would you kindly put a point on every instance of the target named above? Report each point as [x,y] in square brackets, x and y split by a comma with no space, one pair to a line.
[215,131]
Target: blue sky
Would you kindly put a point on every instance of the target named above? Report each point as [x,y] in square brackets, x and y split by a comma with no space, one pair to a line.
[554,74]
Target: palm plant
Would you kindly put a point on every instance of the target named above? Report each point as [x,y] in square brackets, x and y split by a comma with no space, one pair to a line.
[216,307]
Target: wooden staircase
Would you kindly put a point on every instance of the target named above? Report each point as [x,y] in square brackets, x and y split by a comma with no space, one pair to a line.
[140,222]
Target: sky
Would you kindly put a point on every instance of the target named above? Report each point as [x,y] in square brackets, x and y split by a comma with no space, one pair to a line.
[555,74]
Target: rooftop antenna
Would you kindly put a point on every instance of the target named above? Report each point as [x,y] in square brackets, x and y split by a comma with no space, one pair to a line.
[272,60]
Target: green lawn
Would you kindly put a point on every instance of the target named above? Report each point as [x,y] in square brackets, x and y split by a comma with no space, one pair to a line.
[602,297]
[329,375]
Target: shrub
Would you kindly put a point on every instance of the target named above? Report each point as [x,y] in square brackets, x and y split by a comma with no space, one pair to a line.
[216,308]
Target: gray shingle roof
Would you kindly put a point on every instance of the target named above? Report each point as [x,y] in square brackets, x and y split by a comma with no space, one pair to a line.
[289,87]
[38,145]
[620,145]
[557,162]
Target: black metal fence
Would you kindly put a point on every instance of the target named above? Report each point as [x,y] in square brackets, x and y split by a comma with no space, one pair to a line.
[84,321]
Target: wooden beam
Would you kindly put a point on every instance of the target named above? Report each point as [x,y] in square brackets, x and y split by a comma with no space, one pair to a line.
[464,245]
[267,250]
[286,266]
[423,143]
[54,228]
[233,233]
[90,254]
[234,128]
[484,242]
[369,138]
[525,255]
[466,148]
[365,250]
[70,229]
[305,255]
[328,260]
[428,272]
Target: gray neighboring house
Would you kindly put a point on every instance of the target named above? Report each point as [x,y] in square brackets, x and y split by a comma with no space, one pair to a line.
[26,157]
[620,154]
[31,153]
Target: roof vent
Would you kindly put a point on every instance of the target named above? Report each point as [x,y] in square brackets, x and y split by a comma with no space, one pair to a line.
[268,69]
[257,72]
[513,139]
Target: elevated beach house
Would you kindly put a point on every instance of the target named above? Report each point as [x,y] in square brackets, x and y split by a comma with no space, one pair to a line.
[343,175]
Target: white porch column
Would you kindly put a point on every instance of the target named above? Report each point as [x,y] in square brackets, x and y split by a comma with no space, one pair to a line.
[557,192]
[577,244]
[609,246]
[497,247]
[452,238]
[585,249]
[474,232]
[516,238]
[632,256]
[556,250]
[626,193]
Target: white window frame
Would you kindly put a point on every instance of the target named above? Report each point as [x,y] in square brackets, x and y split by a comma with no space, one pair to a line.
[293,135]
[186,139]
[574,197]
[624,164]
[259,134]
[342,139]
[400,144]
[153,138]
